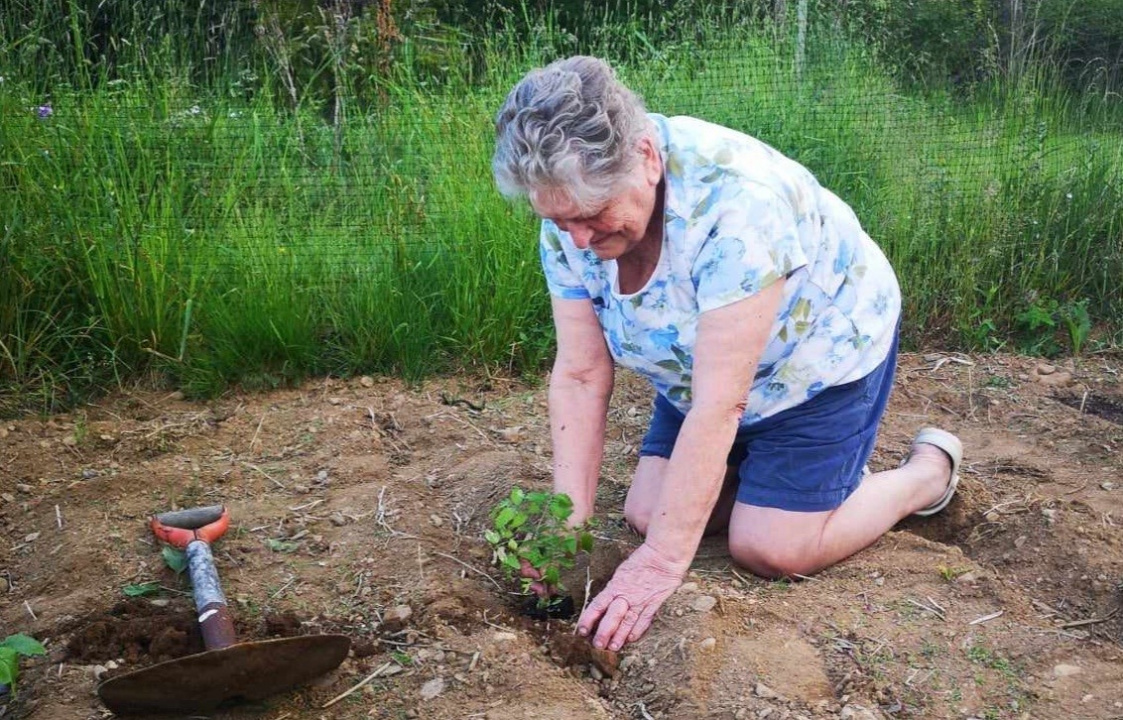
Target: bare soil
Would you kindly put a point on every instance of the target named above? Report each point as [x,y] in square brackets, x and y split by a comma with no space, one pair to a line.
[351,499]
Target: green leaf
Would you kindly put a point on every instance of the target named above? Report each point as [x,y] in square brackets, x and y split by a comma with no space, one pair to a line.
[492,537]
[551,576]
[511,561]
[571,545]
[175,559]
[518,520]
[504,517]
[586,542]
[9,666]
[284,546]
[141,589]
[517,496]
[24,644]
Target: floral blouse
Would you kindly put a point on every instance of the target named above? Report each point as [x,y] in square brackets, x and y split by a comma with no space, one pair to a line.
[738,215]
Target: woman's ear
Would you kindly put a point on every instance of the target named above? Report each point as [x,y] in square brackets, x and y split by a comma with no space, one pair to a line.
[652,161]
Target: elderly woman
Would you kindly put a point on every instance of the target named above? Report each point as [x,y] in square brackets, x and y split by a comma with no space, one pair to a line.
[764,316]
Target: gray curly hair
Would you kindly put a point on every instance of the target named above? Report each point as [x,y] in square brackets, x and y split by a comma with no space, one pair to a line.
[569,127]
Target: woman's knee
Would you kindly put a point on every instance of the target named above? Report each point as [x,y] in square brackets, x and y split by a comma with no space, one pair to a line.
[637,514]
[772,560]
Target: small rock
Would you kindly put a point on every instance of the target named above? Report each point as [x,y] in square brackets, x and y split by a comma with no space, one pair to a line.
[23,488]
[8,497]
[1064,670]
[322,476]
[159,602]
[3,432]
[968,577]
[501,636]
[703,603]
[707,644]
[177,395]
[436,520]
[302,489]
[763,691]
[99,671]
[335,401]
[626,662]
[512,434]
[338,520]
[4,587]
[856,712]
[32,537]
[1046,369]
[1057,379]
[432,688]
[595,672]
[1087,698]
[1107,485]
[396,617]
[111,665]
[764,714]
[70,441]
[688,587]
[992,516]
[1019,541]
[89,474]
[1050,514]
[366,381]
[740,714]
[879,581]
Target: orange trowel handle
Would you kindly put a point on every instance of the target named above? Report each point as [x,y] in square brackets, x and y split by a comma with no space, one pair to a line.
[180,527]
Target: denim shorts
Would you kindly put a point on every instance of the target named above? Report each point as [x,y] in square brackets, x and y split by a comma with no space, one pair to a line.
[808,458]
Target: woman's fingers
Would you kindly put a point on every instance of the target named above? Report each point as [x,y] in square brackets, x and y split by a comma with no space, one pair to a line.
[593,613]
[643,623]
[610,623]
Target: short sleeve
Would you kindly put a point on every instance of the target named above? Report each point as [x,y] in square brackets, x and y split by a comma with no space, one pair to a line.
[561,279]
[754,243]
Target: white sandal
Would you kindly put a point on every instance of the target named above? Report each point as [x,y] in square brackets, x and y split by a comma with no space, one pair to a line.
[953,448]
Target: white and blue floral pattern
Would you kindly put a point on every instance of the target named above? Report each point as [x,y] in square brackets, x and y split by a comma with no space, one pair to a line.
[738,215]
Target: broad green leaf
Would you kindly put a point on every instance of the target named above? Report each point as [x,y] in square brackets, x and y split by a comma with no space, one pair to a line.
[24,644]
[511,561]
[175,559]
[492,537]
[9,666]
[586,542]
[551,576]
[504,517]
[571,545]
[141,589]
[517,496]
[518,520]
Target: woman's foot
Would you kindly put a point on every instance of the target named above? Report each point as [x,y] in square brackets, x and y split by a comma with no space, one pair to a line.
[940,453]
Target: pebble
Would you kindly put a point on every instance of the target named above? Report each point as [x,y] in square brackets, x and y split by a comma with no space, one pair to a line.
[4,587]
[159,602]
[764,714]
[8,497]
[338,520]
[366,381]
[708,644]
[23,488]
[688,587]
[32,537]
[1019,541]
[595,672]
[99,671]
[1050,514]
[1064,670]
[436,520]
[504,637]
[626,662]
[89,474]
[322,476]
[763,691]
[111,665]
[1046,369]
[1108,485]
[703,603]
[396,617]
[1087,698]
[856,712]
[432,688]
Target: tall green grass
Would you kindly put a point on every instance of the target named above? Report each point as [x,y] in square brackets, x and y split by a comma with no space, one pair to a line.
[152,226]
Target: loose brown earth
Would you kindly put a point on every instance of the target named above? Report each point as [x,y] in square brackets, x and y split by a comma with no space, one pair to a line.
[351,499]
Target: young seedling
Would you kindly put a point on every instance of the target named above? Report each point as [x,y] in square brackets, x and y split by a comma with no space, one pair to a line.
[11,649]
[531,527]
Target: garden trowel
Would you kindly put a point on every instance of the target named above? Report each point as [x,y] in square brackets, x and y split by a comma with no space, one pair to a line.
[227,672]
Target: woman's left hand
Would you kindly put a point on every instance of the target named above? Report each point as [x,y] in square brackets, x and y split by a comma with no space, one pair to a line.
[626,607]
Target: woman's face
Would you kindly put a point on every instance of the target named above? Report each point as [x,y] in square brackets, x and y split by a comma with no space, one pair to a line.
[617,227]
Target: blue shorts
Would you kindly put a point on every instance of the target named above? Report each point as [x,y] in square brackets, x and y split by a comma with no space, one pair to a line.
[808,458]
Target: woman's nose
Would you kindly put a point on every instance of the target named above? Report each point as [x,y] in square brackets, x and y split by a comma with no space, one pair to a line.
[582,235]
